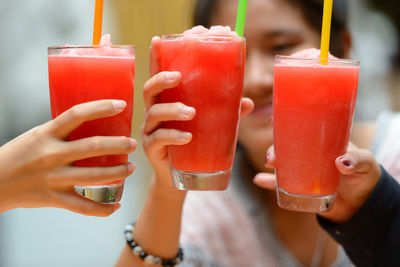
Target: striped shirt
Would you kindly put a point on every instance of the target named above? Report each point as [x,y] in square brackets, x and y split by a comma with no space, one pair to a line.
[228,228]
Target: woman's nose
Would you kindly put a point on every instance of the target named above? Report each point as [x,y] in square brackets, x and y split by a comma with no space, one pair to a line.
[259,74]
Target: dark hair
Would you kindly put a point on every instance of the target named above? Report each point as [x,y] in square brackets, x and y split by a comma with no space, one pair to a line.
[312,10]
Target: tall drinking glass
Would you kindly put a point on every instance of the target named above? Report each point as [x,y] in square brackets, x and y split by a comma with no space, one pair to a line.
[79,74]
[212,69]
[313,112]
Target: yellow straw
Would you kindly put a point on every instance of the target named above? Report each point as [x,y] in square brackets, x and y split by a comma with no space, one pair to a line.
[326,31]
[98,19]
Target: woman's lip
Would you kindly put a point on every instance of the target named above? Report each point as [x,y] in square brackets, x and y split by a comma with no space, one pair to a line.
[262,111]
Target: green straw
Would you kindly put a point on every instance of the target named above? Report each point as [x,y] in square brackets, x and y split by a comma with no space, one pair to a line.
[241,17]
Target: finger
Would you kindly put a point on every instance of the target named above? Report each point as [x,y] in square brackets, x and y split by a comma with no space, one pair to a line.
[98,146]
[155,55]
[163,137]
[92,175]
[246,106]
[71,119]
[358,161]
[158,83]
[74,202]
[265,180]
[166,112]
[270,158]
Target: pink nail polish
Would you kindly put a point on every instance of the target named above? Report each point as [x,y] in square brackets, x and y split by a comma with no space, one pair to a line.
[267,156]
[271,120]
[345,161]
[133,142]
[131,167]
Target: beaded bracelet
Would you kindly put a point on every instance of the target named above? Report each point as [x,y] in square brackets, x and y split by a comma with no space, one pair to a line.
[149,259]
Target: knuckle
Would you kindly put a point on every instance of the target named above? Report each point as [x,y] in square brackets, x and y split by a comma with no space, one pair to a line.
[75,112]
[150,114]
[143,130]
[147,87]
[46,157]
[95,144]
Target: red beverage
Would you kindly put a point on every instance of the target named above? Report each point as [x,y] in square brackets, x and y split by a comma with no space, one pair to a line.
[212,71]
[83,74]
[313,111]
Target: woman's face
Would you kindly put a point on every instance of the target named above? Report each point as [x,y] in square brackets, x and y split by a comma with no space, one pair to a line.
[272,27]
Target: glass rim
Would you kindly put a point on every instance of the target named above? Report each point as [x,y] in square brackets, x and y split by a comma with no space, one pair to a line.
[181,35]
[335,60]
[61,47]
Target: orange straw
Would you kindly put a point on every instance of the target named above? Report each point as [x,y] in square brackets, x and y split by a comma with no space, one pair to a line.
[98,20]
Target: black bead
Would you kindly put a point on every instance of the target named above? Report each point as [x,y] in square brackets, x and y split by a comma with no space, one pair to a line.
[142,255]
[133,244]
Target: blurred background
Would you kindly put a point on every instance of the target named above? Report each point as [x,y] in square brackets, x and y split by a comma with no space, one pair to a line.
[50,237]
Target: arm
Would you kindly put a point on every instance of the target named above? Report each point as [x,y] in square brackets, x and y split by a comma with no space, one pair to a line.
[372,235]
[37,167]
[365,217]
[158,226]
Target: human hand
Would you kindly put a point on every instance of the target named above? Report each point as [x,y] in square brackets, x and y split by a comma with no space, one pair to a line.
[37,167]
[360,174]
[155,138]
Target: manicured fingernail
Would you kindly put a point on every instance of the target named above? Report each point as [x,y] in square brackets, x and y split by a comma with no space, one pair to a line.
[119,105]
[271,120]
[133,142]
[185,136]
[187,112]
[171,76]
[267,157]
[131,167]
[345,161]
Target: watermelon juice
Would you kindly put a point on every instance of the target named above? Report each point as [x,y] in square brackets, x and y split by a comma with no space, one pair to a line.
[212,68]
[79,74]
[313,112]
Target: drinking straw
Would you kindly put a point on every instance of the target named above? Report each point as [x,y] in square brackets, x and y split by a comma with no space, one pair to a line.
[241,17]
[326,31]
[98,20]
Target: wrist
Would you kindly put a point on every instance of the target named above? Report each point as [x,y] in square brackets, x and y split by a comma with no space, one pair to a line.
[166,191]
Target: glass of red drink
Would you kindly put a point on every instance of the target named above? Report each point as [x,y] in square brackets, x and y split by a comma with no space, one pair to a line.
[212,69]
[313,113]
[79,74]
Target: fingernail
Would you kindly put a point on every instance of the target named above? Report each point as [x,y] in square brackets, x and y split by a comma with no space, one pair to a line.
[187,111]
[119,105]
[267,156]
[185,136]
[271,120]
[131,167]
[133,142]
[345,161]
[171,76]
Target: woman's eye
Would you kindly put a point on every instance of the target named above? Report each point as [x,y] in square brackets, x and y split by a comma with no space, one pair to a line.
[280,48]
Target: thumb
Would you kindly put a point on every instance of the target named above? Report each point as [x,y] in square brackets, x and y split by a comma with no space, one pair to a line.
[359,161]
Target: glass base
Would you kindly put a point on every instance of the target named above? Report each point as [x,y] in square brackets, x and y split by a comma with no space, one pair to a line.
[304,203]
[107,194]
[206,181]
